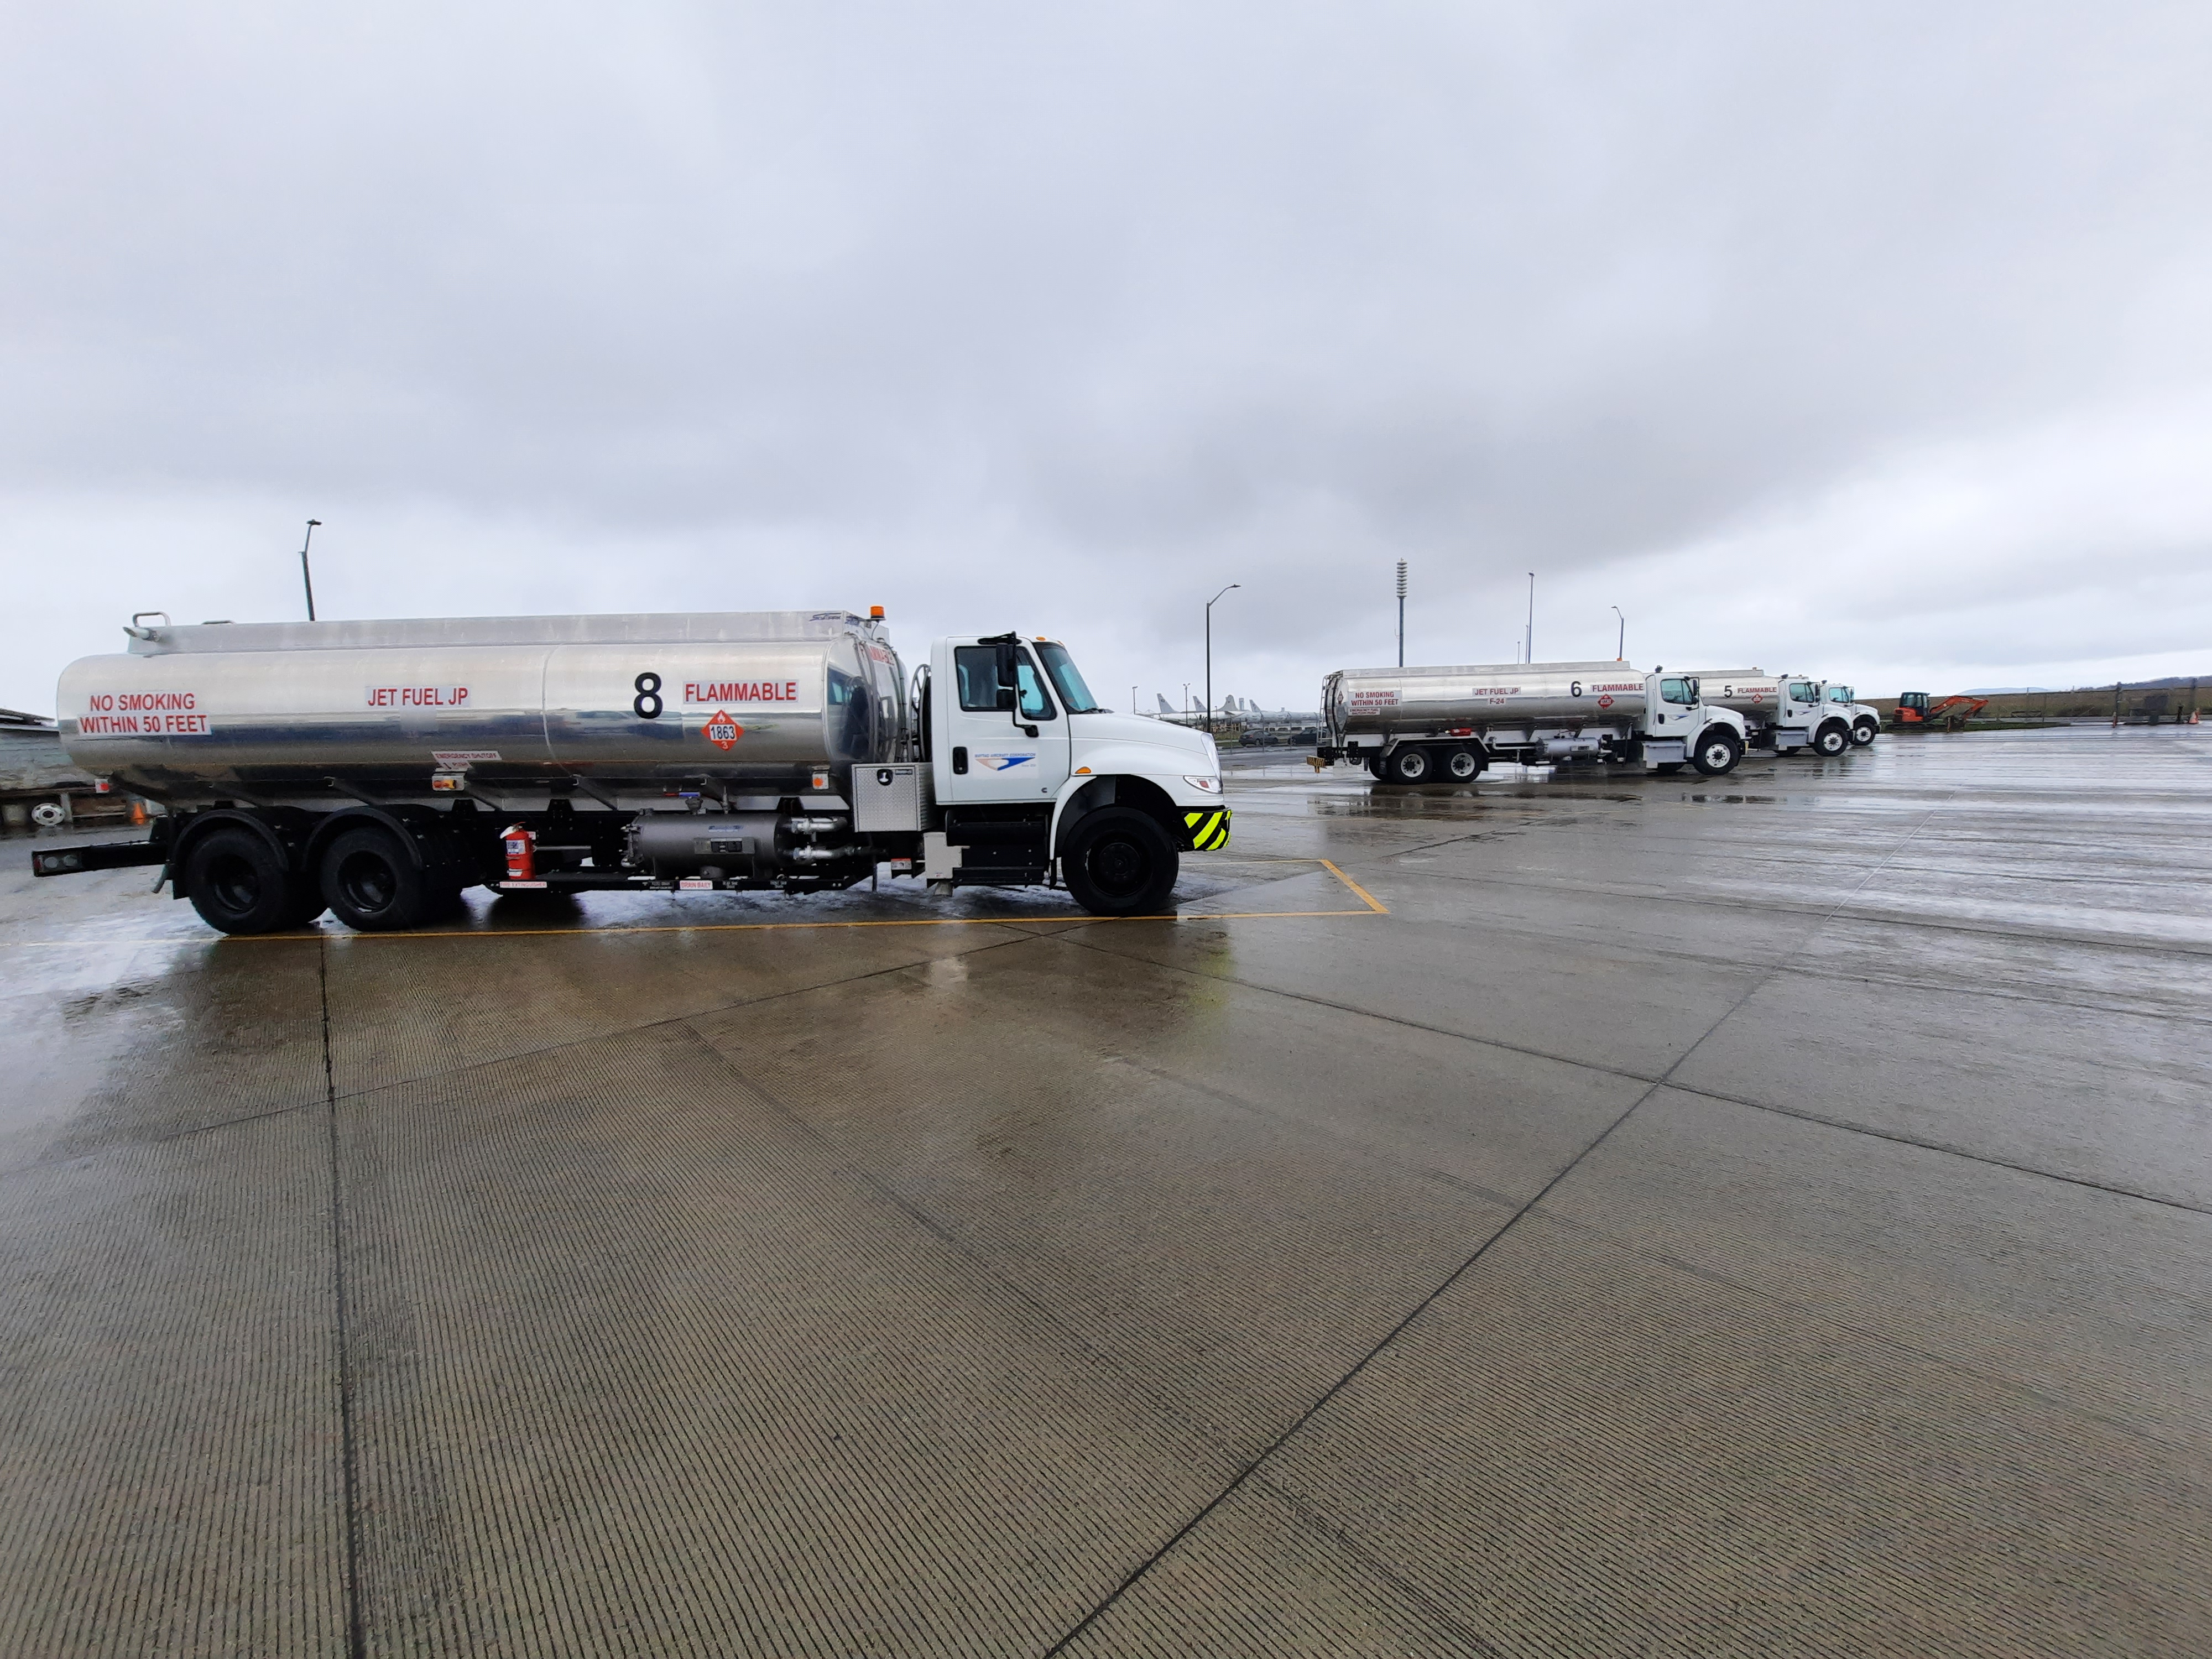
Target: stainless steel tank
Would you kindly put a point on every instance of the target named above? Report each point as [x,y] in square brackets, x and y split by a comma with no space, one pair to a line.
[1382,701]
[1749,691]
[404,708]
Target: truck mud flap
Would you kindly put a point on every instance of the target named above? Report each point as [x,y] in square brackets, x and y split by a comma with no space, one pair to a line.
[1206,831]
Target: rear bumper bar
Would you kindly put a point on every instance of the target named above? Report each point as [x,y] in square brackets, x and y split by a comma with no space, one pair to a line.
[102,855]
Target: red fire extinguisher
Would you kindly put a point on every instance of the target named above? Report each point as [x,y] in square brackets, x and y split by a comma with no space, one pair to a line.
[522,846]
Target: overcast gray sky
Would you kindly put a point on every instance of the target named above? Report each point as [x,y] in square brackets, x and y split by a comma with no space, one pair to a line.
[1869,339]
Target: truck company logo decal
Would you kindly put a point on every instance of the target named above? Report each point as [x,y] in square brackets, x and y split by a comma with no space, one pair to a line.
[723,732]
[415,696]
[741,691]
[142,714]
[1003,762]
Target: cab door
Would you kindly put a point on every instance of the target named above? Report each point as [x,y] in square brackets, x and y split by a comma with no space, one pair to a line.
[1001,741]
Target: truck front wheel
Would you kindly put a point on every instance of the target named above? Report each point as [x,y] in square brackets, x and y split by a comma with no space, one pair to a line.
[1832,740]
[239,884]
[1865,729]
[1717,752]
[1119,862]
[371,884]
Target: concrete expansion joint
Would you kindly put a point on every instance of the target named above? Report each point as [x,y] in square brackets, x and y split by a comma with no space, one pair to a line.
[1858,1329]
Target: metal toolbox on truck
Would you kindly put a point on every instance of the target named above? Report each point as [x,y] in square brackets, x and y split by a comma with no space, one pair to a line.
[894,797]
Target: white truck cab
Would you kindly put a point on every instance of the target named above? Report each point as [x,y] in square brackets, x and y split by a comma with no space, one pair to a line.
[1866,722]
[1030,773]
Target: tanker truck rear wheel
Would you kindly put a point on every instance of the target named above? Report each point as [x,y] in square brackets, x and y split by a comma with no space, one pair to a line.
[1119,862]
[371,884]
[1717,752]
[1464,764]
[1408,765]
[239,884]
[1833,740]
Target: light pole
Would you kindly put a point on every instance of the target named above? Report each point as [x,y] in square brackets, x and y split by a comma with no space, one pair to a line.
[1210,604]
[1623,646]
[1186,699]
[1132,700]
[306,577]
[1402,613]
[1532,616]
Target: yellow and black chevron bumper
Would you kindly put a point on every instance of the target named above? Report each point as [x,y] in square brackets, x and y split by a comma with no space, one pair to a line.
[1206,830]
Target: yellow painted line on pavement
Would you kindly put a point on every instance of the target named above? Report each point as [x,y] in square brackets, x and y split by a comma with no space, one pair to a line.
[1375,906]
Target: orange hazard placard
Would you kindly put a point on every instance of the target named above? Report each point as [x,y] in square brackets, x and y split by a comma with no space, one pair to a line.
[723,732]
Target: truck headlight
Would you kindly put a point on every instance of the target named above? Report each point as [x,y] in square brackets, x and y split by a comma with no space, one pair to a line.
[1211,785]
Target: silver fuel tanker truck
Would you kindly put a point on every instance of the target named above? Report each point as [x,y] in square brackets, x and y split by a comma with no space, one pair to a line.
[1784,712]
[376,769]
[1436,724]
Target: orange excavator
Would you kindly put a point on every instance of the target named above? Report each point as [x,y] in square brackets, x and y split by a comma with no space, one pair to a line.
[1951,714]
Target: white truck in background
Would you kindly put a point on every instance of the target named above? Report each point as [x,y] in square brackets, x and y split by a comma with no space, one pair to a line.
[1446,725]
[1784,712]
[1866,722]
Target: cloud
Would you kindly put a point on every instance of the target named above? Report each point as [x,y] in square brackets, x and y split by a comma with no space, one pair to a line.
[1867,338]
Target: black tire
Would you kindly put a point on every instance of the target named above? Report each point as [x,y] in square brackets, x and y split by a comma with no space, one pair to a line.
[1831,739]
[1464,765]
[1375,767]
[1717,751]
[238,883]
[1865,729]
[1408,765]
[372,883]
[1119,862]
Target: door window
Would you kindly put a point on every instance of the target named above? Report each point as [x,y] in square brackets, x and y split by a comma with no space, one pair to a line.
[1684,692]
[977,668]
[1803,691]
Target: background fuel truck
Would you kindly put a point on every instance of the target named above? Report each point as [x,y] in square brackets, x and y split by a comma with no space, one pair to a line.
[1435,725]
[1783,711]
[376,769]
[1865,719]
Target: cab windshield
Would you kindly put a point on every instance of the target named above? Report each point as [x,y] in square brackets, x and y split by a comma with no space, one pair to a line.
[1068,679]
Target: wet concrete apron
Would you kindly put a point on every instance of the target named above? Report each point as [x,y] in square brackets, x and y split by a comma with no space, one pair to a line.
[1756,1217]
